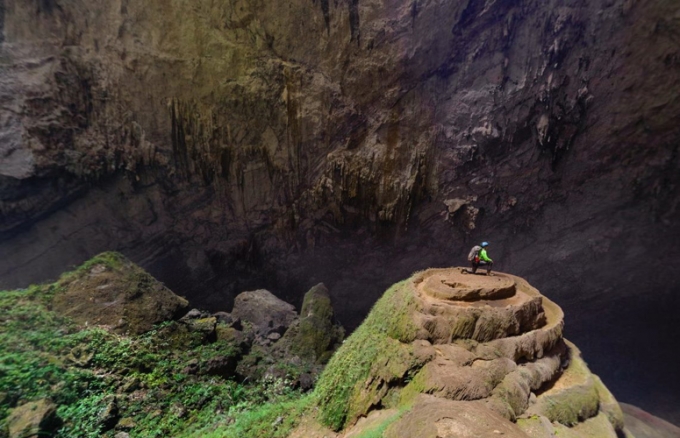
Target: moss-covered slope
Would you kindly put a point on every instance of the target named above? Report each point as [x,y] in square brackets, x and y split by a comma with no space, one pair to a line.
[148,376]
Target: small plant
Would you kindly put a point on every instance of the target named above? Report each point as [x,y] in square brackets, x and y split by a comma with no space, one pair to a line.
[82,369]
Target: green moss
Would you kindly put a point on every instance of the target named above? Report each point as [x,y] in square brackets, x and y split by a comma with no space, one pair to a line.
[272,420]
[45,355]
[463,327]
[316,334]
[378,430]
[609,405]
[112,260]
[575,403]
[375,352]
[415,387]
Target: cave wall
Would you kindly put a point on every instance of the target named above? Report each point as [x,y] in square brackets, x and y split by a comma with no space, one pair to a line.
[228,145]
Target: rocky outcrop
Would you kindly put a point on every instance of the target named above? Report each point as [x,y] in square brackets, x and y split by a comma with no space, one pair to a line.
[266,313]
[435,359]
[276,339]
[112,291]
[33,419]
[230,146]
[316,335]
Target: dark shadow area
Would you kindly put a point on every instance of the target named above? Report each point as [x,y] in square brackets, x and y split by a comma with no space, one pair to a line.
[632,344]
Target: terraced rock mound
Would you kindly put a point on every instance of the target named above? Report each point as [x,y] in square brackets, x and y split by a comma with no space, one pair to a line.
[447,353]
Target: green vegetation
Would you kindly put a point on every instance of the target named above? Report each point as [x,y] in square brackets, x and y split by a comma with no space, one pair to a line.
[170,381]
[376,351]
[316,333]
[378,430]
[269,420]
[111,290]
[576,401]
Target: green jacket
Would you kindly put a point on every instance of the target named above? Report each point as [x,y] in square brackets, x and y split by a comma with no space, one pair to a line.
[483,257]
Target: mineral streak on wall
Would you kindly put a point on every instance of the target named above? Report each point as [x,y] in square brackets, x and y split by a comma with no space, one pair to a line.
[243,144]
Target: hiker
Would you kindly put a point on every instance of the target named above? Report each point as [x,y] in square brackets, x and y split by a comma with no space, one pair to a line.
[478,257]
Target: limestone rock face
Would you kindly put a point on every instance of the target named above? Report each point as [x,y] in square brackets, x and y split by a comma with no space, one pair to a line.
[110,290]
[235,145]
[485,372]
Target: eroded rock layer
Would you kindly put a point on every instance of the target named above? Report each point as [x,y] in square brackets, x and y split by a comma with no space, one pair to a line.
[455,367]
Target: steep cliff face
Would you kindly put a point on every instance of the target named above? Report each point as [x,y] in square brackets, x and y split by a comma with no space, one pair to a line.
[238,144]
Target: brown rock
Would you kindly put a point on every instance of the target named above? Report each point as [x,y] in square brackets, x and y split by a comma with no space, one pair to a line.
[224,366]
[500,370]
[264,311]
[457,285]
[192,367]
[34,419]
[112,291]
[434,417]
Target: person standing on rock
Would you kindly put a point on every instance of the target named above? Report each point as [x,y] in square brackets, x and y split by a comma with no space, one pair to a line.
[478,257]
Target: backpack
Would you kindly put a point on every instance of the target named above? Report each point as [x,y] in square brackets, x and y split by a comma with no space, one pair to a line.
[474,252]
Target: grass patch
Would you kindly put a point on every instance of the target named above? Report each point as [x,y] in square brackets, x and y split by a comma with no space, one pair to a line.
[270,420]
[86,369]
[378,430]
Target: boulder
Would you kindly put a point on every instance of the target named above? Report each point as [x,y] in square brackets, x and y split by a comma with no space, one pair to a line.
[112,291]
[224,366]
[204,326]
[34,419]
[316,334]
[265,312]
[227,319]
[243,341]
[108,417]
[194,314]
[126,424]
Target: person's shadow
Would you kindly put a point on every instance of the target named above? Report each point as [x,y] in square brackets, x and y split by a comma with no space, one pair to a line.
[467,271]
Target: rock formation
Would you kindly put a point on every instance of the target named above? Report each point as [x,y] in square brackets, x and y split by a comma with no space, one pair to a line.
[33,419]
[109,290]
[239,145]
[101,352]
[266,313]
[448,353]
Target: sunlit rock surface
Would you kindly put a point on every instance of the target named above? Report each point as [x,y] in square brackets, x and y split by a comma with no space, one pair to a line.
[423,365]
